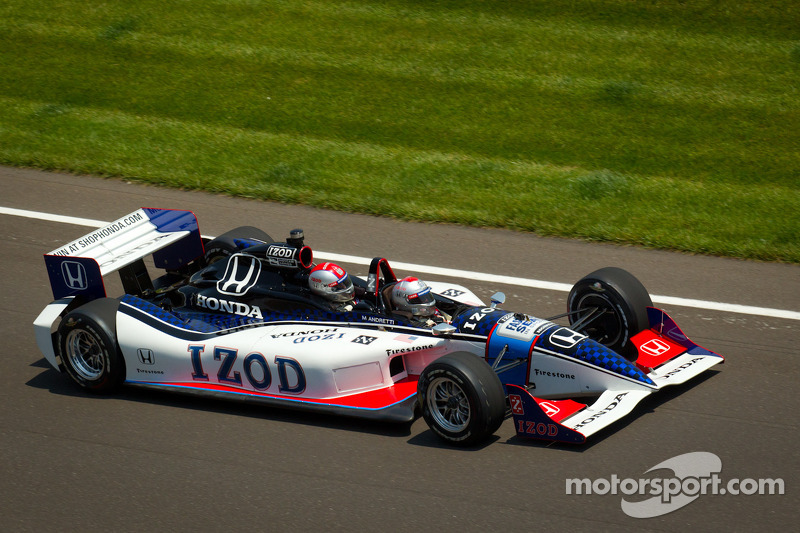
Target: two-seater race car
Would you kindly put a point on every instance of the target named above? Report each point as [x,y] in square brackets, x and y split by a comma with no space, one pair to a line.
[234,317]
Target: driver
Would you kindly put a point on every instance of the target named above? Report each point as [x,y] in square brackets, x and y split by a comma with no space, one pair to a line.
[413,298]
[332,282]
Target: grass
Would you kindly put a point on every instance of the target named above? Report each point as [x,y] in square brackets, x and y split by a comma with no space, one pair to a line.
[669,125]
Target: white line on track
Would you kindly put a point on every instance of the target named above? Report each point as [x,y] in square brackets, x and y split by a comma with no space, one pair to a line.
[479,276]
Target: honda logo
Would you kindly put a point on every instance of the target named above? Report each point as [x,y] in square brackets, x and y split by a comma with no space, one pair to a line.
[566,338]
[146,356]
[655,347]
[74,275]
[549,409]
[241,274]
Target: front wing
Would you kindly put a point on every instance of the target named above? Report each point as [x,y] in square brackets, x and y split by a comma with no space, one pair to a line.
[665,354]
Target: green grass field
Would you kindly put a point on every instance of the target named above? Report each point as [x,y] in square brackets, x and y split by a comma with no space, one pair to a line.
[659,123]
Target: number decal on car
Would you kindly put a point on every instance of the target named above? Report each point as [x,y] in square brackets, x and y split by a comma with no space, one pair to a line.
[476,317]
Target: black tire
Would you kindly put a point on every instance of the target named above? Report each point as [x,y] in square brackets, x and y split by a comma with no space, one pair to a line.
[461,399]
[610,306]
[225,245]
[88,347]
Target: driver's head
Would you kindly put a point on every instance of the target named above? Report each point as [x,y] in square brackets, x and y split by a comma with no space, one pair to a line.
[330,281]
[414,296]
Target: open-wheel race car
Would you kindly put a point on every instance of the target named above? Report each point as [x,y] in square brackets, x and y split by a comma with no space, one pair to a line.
[245,316]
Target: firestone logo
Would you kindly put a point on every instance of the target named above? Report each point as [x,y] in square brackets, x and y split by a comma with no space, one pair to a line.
[694,474]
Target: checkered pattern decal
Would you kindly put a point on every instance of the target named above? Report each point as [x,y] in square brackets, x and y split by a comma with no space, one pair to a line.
[189,321]
[592,352]
[210,323]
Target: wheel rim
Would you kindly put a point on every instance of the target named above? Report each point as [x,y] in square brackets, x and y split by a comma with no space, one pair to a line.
[448,405]
[600,319]
[85,354]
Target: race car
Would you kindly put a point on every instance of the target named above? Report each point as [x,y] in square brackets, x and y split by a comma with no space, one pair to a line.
[236,317]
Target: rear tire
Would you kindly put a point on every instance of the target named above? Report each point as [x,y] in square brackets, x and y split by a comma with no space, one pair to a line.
[234,241]
[88,346]
[610,306]
[461,399]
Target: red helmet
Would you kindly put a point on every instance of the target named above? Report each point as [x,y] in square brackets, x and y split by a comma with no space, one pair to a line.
[413,295]
[331,281]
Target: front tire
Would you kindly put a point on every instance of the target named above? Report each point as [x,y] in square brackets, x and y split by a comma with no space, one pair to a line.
[610,306]
[88,347]
[461,398]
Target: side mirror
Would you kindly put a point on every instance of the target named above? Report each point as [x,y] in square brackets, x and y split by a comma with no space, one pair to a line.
[443,330]
[498,298]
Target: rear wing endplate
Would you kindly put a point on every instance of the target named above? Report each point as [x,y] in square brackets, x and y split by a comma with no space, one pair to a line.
[78,267]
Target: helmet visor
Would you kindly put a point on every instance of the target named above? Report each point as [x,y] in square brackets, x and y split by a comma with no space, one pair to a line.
[342,290]
[423,297]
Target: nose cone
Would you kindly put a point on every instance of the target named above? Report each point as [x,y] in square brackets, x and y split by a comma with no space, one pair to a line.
[567,342]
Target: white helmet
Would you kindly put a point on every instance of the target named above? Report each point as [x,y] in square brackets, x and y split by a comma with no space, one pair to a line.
[413,295]
[332,282]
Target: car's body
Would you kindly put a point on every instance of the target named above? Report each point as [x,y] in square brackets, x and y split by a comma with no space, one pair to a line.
[246,326]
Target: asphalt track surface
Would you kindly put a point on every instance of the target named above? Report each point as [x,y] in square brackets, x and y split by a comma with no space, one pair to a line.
[140,460]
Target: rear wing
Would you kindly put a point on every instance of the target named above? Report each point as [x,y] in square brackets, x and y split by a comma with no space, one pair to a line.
[78,267]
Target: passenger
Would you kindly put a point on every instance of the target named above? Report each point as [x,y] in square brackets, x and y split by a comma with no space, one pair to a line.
[412,298]
[331,282]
